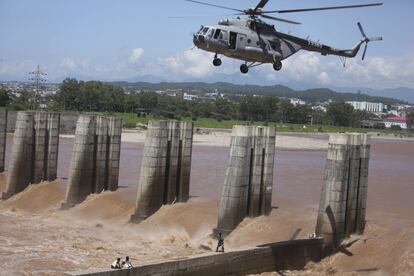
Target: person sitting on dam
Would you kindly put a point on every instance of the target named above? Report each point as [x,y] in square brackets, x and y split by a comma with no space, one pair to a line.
[126,263]
[220,243]
[116,264]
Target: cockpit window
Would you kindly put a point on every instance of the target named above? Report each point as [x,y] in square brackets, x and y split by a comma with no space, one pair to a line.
[204,31]
[210,33]
[217,33]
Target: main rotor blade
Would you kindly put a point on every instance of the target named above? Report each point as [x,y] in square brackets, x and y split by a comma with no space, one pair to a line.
[325,8]
[379,38]
[280,19]
[213,5]
[261,4]
[198,16]
[365,51]
[361,30]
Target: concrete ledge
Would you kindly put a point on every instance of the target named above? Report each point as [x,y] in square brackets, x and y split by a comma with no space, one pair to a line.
[269,257]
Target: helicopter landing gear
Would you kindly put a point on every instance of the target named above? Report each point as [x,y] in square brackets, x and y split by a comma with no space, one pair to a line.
[244,68]
[277,65]
[216,61]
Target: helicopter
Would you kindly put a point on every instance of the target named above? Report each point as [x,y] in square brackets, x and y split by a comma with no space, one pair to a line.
[256,42]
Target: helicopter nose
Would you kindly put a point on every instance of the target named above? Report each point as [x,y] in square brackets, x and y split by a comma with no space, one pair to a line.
[198,39]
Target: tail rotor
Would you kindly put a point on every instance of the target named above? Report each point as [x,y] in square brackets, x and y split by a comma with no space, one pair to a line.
[366,39]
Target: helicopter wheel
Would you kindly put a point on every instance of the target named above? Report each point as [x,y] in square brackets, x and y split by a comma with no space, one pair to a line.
[277,66]
[244,68]
[216,62]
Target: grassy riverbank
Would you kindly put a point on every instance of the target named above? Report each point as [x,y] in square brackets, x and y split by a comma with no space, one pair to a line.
[130,120]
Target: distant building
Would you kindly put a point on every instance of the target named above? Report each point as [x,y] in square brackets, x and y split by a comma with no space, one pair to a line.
[189,97]
[319,107]
[296,102]
[401,121]
[368,106]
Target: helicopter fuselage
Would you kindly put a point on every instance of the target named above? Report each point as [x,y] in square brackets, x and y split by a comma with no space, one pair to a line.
[255,41]
[245,40]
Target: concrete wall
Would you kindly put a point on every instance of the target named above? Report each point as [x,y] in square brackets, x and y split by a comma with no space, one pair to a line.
[3,132]
[247,189]
[34,152]
[21,164]
[344,192]
[166,167]
[273,257]
[67,122]
[95,161]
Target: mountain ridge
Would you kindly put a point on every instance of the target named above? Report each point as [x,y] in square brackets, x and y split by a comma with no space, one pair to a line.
[313,95]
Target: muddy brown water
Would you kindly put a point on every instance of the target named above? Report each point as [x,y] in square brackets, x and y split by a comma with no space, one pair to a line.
[298,175]
[298,179]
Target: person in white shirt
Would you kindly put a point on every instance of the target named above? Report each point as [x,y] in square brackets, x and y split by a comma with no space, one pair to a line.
[116,264]
[127,263]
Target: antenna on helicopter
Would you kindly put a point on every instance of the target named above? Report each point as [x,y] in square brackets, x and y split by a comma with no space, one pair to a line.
[366,39]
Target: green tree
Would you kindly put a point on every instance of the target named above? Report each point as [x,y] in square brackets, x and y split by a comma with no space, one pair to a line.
[21,101]
[299,114]
[285,109]
[270,108]
[340,114]
[4,97]
[90,96]
[251,108]
[410,120]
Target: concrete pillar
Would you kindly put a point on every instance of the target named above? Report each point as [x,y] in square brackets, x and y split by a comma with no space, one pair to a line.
[166,167]
[52,152]
[354,153]
[81,172]
[172,173]
[261,170]
[233,203]
[3,133]
[184,159]
[363,184]
[40,146]
[114,145]
[332,206]
[248,184]
[153,171]
[268,167]
[20,170]
[101,155]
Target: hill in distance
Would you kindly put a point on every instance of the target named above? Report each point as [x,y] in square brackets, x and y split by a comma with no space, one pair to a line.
[309,95]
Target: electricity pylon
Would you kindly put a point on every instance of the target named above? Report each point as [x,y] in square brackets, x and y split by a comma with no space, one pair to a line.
[37,76]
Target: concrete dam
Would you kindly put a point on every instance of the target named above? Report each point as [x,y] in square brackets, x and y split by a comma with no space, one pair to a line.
[165,179]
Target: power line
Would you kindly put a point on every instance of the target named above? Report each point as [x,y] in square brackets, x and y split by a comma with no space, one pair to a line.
[38,77]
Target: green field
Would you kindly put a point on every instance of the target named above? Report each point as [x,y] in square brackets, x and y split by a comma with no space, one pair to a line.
[130,120]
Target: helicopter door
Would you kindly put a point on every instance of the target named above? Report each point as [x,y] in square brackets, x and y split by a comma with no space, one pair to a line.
[232,40]
[241,41]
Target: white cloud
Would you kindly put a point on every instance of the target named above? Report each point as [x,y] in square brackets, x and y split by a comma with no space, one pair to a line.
[302,68]
[136,55]
[324,78]
[68,63]
[16,70]
[375,72]
[192,62]
[76,64]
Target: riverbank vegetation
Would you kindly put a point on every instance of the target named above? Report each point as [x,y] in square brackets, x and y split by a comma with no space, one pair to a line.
[218,112]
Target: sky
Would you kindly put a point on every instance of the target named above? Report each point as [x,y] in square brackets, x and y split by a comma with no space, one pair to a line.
[135,40]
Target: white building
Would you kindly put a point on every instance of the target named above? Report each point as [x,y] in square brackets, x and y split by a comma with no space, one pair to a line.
[401,121]
[189,97]
[296,102]
[368,106]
